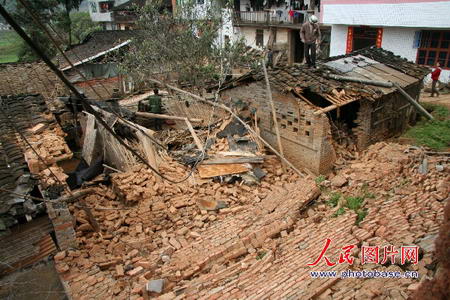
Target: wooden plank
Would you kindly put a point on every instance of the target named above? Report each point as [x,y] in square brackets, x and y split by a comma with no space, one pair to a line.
[404,78]
[165,117]
[234,160]
[209,171]
[149,150]
[90,149]
[194,135]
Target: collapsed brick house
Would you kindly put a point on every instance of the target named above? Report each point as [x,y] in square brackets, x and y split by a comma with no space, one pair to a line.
[310,106]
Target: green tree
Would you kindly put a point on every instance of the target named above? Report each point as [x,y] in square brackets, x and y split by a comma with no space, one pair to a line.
[185,42]
[66,21]
[43,10]
[49,12]
[82,26]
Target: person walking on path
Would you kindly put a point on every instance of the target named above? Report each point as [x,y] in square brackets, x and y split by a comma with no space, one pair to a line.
[435,77]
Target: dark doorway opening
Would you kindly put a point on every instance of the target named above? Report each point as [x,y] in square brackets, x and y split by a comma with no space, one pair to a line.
[364,37]
[343,121]
[297,47]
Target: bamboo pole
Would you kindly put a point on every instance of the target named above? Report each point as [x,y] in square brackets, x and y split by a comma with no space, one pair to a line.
[274,114]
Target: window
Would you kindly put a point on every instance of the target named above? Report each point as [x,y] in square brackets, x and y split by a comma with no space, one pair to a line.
[434,46]
[106,6]
[260,37]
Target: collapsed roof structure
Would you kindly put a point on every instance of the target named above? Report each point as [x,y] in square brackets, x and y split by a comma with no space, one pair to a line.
[314,105]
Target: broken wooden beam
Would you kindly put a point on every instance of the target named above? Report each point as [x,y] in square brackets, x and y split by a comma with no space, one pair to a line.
[234,160]
[194,135]
[209,171]
[165,117]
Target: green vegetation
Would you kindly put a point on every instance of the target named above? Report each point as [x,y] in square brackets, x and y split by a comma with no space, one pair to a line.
[334,199]
[434,134]
[339,212]
[354,203]
[10,45]
[319,179]
[82,26]
[361,214]
[260,255]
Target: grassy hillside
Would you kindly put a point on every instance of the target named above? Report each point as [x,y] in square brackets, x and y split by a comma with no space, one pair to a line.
[9,46]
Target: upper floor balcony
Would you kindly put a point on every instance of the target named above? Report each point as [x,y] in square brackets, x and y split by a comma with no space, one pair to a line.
[271,18]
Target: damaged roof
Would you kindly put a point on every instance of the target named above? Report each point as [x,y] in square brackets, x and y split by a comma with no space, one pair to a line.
[27,111]
[96,45]
[370,64]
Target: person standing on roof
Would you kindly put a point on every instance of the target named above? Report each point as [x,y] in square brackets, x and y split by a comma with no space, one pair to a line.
[310,34]
[435,77]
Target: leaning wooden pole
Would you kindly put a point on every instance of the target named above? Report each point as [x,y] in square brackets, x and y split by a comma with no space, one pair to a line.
[274,113]
[201,99]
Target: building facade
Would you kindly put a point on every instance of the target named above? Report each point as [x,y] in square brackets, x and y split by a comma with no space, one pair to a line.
[276,25]
[418,30]
[101,11]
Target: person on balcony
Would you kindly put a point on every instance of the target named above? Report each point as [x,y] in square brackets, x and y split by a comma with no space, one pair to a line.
[310,34]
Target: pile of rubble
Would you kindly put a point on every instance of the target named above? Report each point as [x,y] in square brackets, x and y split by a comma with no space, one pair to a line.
[204,239]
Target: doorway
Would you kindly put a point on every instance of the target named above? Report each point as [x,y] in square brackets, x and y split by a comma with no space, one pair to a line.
[297,47]
[364,37]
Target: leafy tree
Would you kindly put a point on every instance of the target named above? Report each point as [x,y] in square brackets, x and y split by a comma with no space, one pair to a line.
[82,26]
[66,21]
[50,12]
[185,42]
[43,10]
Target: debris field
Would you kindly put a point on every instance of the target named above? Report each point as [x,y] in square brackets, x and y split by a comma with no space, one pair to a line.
[210,240]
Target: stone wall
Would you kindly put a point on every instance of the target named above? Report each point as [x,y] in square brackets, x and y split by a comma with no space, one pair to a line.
[305,137]
[30,78]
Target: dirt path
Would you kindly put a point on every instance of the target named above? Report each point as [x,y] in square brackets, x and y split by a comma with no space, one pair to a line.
[441,100]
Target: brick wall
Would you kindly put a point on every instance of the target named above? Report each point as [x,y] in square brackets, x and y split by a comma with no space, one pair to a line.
[104,87]
[30,78]
[305,137]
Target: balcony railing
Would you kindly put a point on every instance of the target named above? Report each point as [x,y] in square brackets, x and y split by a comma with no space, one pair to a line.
[269,17]
[120,18]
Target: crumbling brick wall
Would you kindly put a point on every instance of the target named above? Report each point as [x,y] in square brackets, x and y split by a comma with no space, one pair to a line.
[30,78]
[104,87]
[306,137]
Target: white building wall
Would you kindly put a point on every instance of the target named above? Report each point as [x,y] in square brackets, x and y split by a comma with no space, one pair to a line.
[396,39]
[338,41]
[395,13]
[400,41]
[249,36]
